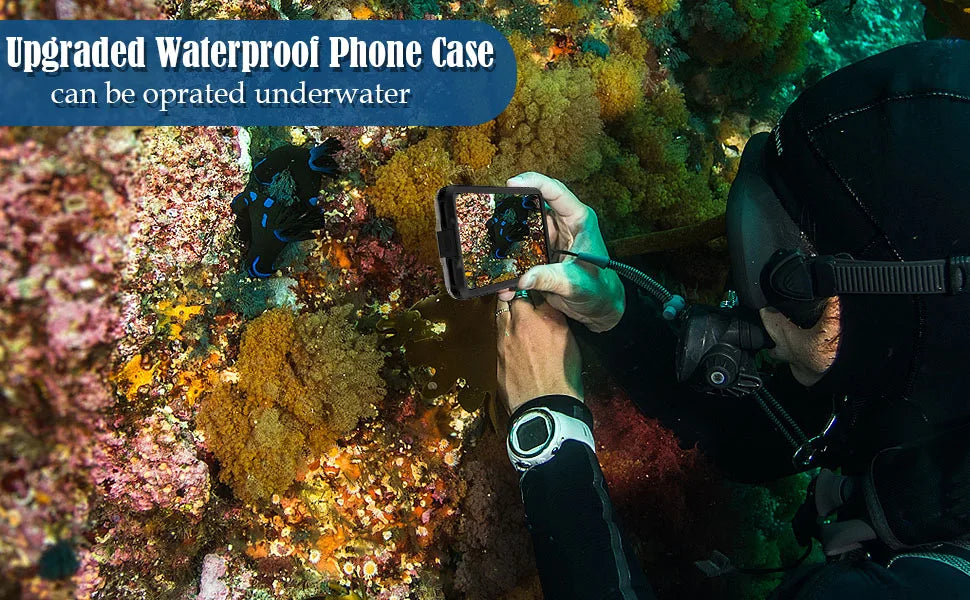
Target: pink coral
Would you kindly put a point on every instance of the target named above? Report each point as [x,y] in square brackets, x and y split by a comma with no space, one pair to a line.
[182,185]
[212,586]
[667,496]
[156,467]
[65,224]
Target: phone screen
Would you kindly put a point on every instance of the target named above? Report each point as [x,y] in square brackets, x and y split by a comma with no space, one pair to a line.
[501,236]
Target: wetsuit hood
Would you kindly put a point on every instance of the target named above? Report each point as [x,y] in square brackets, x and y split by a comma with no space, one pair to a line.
[872,161]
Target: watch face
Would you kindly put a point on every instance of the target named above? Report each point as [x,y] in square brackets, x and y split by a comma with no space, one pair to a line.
[532,435]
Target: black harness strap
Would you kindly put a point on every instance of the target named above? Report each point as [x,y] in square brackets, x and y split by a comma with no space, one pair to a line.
[796,276]
[864,277]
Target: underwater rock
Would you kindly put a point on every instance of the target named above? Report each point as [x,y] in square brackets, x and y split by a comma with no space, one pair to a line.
[267,224]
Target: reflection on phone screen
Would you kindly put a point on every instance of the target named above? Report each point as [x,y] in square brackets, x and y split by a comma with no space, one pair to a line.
[501,236]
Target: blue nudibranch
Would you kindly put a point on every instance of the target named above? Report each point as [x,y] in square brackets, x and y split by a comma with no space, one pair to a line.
[267,224]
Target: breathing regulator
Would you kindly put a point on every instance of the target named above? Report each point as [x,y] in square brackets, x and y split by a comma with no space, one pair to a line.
[715,344]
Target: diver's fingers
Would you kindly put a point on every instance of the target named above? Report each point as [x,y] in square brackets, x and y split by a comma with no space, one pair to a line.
[506,295]
[552,226]
[522,309]
[554,192]
[503,312]
[552,278]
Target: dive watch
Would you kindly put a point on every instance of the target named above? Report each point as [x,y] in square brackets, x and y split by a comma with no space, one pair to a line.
[538,433]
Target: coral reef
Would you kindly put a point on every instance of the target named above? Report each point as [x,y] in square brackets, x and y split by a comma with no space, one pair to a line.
[64,222]
[656,8]
[742,50]
[650,475]
[619,85]
[473,147]
[496,552]
[647,180]
[212,586]
[155,467]
[171,427]
[65,216]
[181,185]
[299,383]
[81,9]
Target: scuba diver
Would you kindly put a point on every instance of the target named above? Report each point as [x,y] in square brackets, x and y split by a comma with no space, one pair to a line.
[849,236]
[266,224]
[509,223]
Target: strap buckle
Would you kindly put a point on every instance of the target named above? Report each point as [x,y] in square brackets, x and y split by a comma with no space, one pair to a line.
[808,454]
[958,268]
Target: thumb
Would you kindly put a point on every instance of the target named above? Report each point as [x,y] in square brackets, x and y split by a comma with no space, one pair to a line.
[506,295]
[547,278]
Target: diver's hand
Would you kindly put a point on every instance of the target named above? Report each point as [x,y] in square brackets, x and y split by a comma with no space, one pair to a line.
[537,354]
[582,291]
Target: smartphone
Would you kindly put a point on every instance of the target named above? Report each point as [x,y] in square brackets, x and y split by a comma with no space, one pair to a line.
[489,236]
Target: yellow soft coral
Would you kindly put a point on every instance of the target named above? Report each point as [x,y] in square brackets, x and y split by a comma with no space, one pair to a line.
[405,189]
[656,8]
[552,125]
[650,179]
[619,85]
[472,146]
[567,13]
[630,41]
[301,382]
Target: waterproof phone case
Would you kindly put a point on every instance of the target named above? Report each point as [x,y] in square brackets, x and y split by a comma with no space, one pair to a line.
[489,236]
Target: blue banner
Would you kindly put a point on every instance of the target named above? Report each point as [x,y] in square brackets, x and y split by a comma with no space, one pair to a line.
[433,73]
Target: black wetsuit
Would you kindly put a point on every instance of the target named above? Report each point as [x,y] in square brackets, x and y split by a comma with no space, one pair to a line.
[579,545]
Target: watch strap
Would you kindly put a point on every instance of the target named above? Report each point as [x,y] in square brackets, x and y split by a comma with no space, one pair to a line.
[560,403]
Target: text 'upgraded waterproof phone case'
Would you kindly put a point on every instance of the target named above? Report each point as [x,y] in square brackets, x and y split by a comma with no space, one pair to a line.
[489,236]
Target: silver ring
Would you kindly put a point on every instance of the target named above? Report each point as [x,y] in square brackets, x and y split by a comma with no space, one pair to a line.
[521,294]
[502,310]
